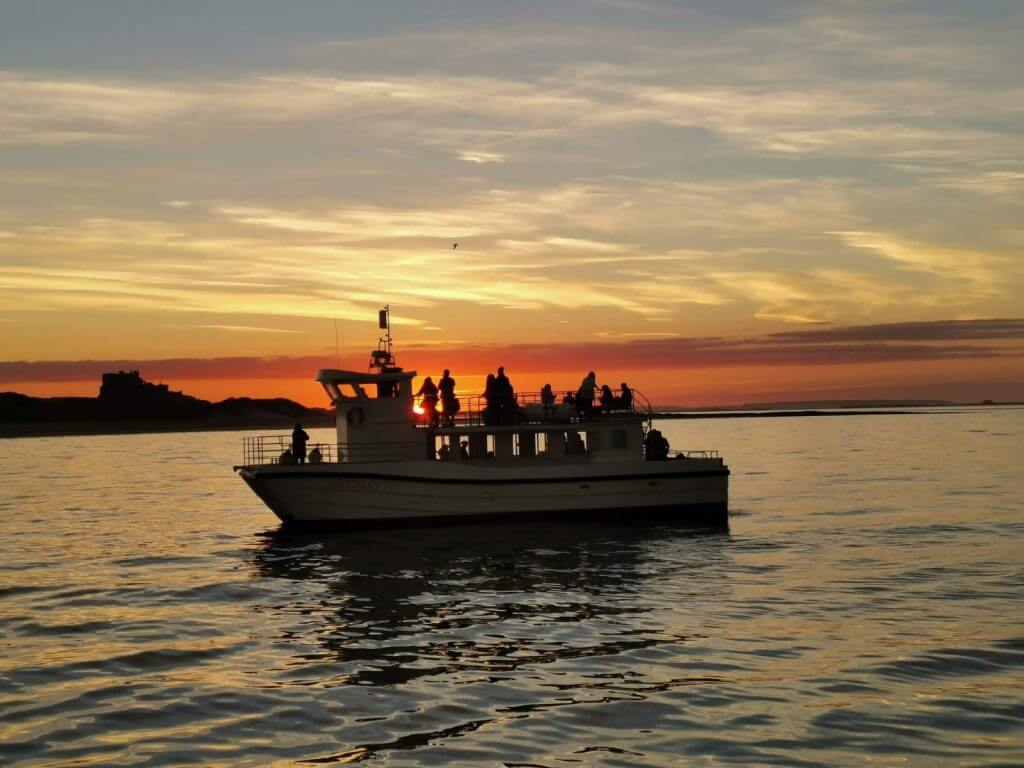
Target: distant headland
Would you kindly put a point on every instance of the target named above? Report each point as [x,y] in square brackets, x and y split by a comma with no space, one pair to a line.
[129,403]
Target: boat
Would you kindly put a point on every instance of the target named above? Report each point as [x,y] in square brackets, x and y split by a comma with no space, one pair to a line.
[530,456]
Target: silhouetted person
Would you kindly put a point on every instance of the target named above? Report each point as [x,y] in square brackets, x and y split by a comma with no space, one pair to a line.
[547,399]
[574,444]
[655,446]
[506,397]
[607,398]
[299,438]
[463,450]
[491,408]
[449,403]
[625,397]
[428,400]
[585,394]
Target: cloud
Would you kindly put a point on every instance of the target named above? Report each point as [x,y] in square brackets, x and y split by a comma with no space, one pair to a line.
[981,274]
[887,343]
[936,330]
[245,329]
[640,178]
[480,157]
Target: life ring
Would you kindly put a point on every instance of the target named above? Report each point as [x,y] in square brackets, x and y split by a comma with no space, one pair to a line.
[355,417]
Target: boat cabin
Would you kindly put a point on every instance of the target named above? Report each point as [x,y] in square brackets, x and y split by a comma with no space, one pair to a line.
[378,419]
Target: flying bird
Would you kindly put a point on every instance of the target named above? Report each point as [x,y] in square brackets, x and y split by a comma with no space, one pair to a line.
[456,245]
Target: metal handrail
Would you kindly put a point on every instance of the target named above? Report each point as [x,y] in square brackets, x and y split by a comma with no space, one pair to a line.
[693,455]
[261,450]
[474,410]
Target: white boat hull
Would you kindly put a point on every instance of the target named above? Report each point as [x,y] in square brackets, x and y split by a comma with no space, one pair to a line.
[691,491]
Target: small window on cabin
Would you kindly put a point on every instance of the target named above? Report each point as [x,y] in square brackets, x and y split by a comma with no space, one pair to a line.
[526,444]
[542,443]
[347,391]
[574,443]
[620,440]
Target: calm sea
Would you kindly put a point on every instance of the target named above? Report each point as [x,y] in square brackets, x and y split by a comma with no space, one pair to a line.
[866,606]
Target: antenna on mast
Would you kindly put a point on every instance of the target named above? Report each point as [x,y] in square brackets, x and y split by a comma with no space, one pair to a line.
[337,348]
[382,358]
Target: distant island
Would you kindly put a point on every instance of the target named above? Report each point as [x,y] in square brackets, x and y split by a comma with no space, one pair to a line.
[814,408]
[129,403]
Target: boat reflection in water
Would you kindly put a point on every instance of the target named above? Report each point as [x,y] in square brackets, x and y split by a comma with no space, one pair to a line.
[461,628]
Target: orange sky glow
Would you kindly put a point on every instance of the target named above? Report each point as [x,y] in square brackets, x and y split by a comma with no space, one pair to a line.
[717,202]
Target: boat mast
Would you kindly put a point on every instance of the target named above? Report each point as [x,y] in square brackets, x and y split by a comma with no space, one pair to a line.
[382,358]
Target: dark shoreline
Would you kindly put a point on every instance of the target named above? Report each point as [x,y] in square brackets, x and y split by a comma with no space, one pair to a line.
[11,430]
[781,414]
[902,410]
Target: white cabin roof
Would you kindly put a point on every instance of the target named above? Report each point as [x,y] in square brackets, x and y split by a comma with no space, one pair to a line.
[336,376]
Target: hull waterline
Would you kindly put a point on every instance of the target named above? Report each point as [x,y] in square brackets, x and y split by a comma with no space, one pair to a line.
[390,495]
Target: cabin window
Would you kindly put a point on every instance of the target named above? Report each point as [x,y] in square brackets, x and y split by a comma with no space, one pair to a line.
[575,443]
[445,448]
[620,440]
[542,443]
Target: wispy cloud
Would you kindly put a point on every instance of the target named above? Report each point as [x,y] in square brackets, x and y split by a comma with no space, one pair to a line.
[641,178]
[888,343]
[245,329]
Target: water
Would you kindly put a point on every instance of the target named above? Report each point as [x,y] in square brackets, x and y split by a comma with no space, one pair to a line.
[865,606]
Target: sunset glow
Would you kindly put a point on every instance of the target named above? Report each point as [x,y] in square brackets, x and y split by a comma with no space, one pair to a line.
[687,197]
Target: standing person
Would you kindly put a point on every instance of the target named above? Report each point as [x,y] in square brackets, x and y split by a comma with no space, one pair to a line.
[490,401]
[299,438]
[585,394]
[449,403]
[547,399]
[607,398]
[428,401]
[506,396]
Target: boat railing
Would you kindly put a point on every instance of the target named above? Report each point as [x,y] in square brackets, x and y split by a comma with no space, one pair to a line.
[693,455]
[260,450]
[531,408]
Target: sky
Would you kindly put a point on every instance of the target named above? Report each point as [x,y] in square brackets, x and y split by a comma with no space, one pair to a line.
[720,201]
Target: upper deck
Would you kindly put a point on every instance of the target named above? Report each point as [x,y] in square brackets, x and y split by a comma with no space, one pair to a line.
[528,411]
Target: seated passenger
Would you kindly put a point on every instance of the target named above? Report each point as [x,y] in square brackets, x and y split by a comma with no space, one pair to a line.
[316,456]
[463,450]
[574,444]
[607,398]
[625,398]
[655,446]
[445,453]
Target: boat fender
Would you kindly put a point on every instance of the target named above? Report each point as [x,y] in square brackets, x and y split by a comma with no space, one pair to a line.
[355,417]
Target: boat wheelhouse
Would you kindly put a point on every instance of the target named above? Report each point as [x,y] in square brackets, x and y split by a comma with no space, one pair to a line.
[526,457]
